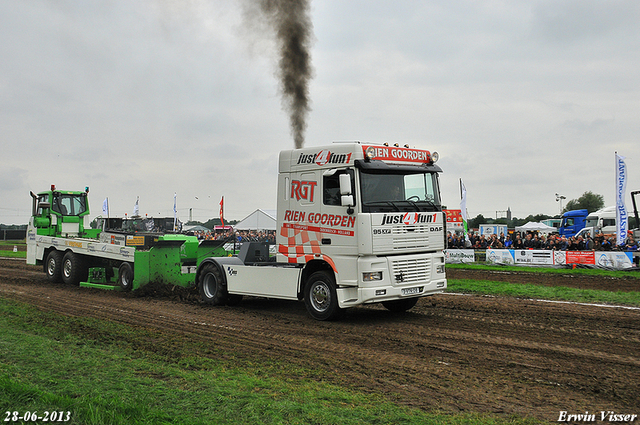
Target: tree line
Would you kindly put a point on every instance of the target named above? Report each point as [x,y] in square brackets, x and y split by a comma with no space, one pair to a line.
[588,200]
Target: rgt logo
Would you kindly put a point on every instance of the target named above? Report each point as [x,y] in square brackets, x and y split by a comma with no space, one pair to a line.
[303,189]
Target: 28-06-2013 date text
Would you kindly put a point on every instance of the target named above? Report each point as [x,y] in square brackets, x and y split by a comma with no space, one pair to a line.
[46,416]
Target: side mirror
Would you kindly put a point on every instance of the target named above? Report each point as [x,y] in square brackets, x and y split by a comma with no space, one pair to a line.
[44,205]
[345,184]
[346,200]
[346,197]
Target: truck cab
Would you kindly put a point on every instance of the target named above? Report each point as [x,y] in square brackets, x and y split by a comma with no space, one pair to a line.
[61,213]
[356,224]
[602,221]
[572,222]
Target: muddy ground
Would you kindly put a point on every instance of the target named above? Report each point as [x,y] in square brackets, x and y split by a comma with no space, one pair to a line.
[453,353]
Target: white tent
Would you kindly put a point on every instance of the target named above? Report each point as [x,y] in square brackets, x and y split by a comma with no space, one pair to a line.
[258,220]
[533,226]
[195,228]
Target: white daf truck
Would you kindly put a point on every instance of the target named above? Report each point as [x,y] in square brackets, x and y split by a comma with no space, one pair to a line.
[356,224]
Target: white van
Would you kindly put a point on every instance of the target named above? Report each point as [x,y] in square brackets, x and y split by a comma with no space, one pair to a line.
[602,221]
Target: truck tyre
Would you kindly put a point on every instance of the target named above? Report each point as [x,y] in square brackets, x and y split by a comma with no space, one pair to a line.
[125,276]
[320,296]
[399,306]
[74,269]
[53,266]
[211,286]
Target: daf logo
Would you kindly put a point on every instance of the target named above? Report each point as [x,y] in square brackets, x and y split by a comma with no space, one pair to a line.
[400,277]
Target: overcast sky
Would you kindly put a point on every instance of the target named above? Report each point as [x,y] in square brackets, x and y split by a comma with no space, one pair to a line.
[522,99]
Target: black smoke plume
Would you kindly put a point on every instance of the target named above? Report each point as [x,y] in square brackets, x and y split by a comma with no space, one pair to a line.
[290,21]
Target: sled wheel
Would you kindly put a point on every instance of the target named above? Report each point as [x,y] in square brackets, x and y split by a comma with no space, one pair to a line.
[125,276]
[74,269]
[53,266]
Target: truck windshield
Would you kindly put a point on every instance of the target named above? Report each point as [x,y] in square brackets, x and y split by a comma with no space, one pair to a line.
[69,204]
[388,192]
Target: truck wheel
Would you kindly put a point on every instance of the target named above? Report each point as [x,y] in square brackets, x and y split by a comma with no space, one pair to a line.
[53,266]
[320,296]
[74,269]
[211,286]
[399,306]
[125,276]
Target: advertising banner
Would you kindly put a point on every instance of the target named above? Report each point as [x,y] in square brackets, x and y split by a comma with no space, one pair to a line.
[534,256]
[621,209]
[614,259]
[608,259]
[581,257]
[453,216]
[459,256]
[501,256]
[454,220]
[560,258]
[493,229]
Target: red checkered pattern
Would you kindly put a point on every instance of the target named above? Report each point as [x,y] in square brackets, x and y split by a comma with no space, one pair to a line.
[302,246]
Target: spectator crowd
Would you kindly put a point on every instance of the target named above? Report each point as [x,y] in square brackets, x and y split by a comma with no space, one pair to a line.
[533,240]
[239,235]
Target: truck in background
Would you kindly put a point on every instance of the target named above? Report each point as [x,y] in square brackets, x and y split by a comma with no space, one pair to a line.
[601,221]
[357,224]
[572,222]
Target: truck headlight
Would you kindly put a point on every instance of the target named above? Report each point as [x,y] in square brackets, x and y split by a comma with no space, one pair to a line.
[440,268]
[369,154]
[371,276]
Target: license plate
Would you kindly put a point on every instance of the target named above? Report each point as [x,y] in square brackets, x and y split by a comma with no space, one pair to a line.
[411,291]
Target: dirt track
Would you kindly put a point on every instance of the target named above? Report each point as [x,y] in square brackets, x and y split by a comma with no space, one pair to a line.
[450,352]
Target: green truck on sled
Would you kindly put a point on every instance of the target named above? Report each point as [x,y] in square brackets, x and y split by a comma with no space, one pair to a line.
[106,257]
[356,224]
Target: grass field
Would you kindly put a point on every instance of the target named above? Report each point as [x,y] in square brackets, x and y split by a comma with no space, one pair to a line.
[6,249]
[549,270]
[558,293]
[104,373]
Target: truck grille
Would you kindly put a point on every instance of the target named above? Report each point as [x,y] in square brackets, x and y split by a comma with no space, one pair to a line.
[412,270]
[411,242]
[410,237]
[407,238]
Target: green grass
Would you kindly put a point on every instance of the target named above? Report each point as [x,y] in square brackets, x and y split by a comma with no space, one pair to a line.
[558,293]
[6,249]
[106,373]
[561,271]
